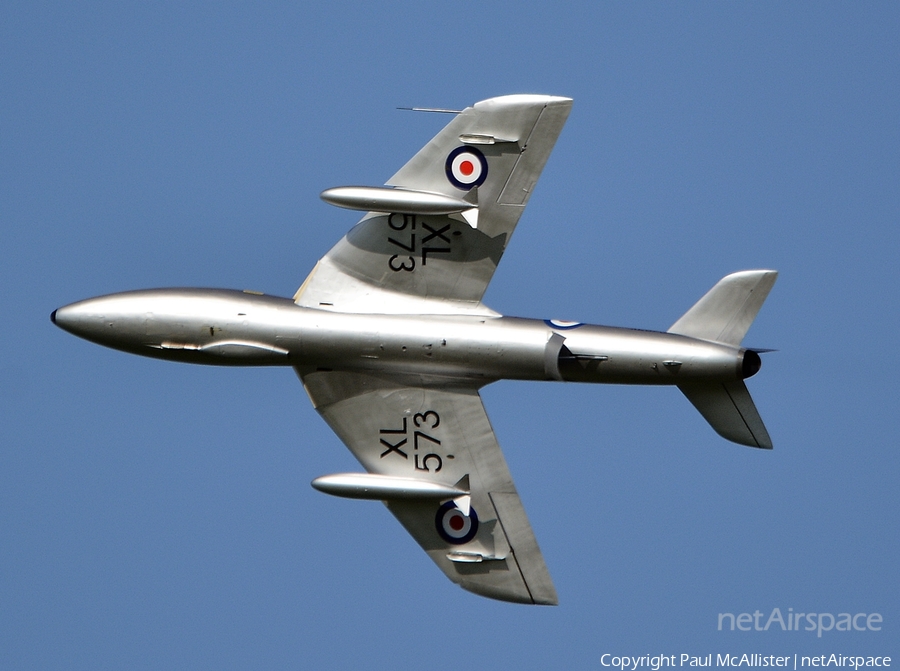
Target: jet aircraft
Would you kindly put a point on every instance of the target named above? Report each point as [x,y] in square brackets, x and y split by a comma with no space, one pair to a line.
[392,342]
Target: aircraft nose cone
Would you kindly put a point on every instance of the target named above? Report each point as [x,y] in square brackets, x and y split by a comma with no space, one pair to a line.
[63,318]
[115,320]
[83,319]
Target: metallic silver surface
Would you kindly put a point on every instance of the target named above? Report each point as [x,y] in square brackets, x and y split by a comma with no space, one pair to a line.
[385,199]
[392,342]
[443,264]
[727,310]
[235,328]
[384,487]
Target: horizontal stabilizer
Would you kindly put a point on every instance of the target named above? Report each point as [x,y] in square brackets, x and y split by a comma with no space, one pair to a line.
[730,410]
[727,310]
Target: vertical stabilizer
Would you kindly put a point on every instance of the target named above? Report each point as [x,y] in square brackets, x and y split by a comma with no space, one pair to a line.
[727,310]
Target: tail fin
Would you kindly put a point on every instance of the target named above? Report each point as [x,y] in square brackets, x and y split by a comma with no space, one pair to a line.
[727,310]
[730,411]
[724,315]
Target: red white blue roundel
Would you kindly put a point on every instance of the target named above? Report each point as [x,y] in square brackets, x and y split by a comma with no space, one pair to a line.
[466,168]
[453,526]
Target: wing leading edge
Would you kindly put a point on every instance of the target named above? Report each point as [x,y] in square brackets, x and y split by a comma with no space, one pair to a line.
[442,435]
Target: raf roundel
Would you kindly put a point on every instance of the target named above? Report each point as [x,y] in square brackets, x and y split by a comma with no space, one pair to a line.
[455,527]
[466,168]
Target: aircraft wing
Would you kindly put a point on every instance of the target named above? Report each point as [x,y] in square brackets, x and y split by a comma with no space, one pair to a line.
[413,428]
[408,259]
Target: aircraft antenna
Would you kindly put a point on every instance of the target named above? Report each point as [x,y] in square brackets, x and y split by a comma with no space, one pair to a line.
[430,109]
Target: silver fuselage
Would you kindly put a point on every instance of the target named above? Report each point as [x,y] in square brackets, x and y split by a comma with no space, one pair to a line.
[234,328]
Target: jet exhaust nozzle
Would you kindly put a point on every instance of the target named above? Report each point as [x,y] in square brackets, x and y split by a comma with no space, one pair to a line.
[750,364]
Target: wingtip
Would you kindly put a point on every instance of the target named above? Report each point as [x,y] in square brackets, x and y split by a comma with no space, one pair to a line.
[546,602]
[526,99]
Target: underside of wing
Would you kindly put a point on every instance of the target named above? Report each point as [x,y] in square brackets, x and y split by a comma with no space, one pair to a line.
[436,463]
[419,254]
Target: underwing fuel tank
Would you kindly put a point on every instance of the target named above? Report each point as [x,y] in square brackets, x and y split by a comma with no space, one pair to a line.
[384,487]
[399,201]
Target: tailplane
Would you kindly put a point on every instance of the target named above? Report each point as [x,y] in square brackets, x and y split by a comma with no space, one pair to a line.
[730,410]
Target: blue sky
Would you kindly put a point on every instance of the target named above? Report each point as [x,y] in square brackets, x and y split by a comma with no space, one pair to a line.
[156,515]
